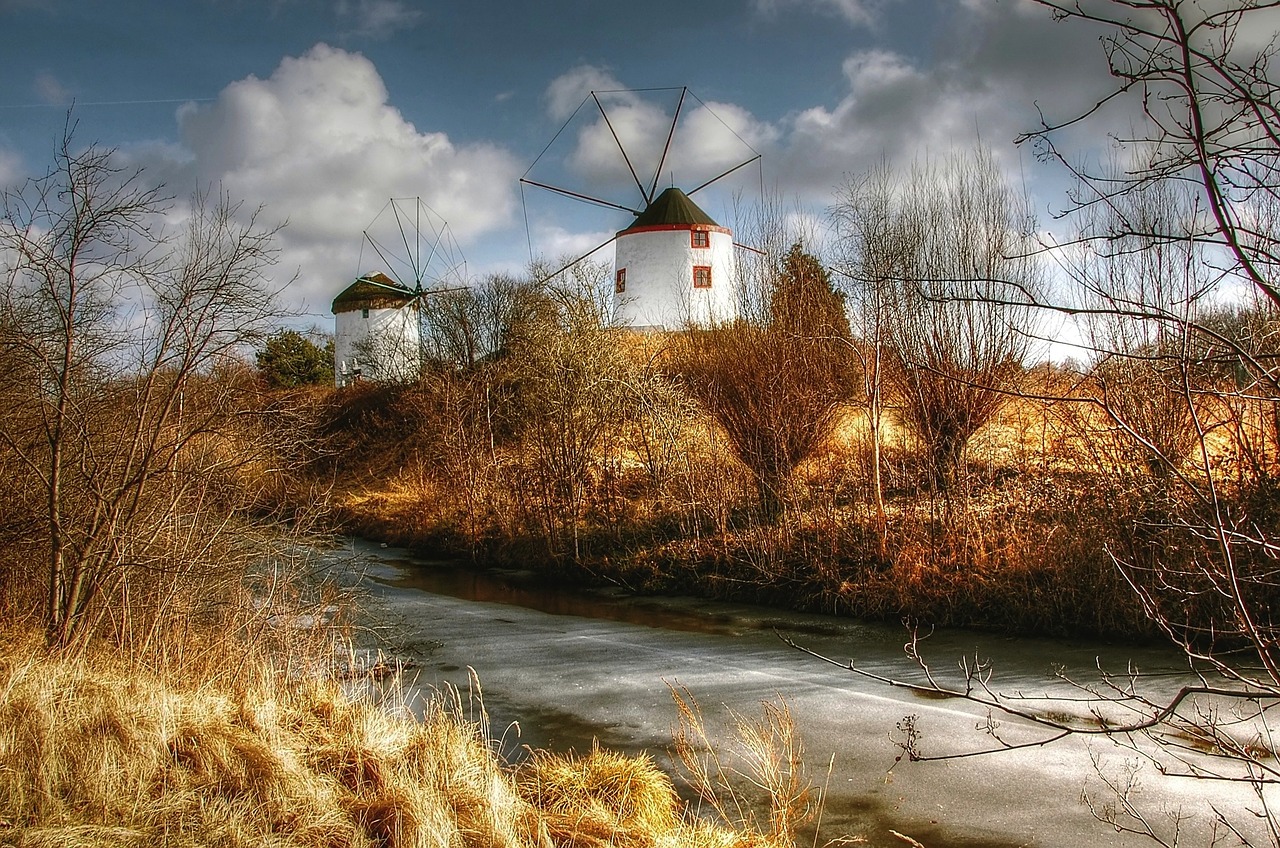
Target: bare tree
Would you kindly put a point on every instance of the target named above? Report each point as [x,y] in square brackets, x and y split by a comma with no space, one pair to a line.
[932,257]
[1143,281]
[1201,548]
[1202,76]
[464,325]
[114,334]
[567,391]
[873,252]
[776,385]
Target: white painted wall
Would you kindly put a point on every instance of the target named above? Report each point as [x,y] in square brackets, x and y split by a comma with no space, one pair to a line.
[660,293]
[383,346]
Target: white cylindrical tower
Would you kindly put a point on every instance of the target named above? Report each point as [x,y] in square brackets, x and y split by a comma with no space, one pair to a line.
[674,266]
[376,335]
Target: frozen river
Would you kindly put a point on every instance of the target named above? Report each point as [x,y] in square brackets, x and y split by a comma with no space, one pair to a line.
[568,668]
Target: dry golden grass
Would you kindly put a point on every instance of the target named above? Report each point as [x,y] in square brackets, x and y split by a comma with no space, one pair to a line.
[601,798]
[96,753]
[767,755]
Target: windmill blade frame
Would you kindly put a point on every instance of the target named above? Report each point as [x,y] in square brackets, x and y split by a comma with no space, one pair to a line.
[650,194]
[405,263]
[673,264]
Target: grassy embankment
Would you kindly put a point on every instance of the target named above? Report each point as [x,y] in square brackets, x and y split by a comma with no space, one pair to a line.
[98,752]
[199,702]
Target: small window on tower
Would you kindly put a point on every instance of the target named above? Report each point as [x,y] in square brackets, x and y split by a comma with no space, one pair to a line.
[701,276]
[620,281]
[364,313]
[701,238]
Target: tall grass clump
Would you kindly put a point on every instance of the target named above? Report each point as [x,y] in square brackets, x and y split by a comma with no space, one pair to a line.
[768,755]
[97,751]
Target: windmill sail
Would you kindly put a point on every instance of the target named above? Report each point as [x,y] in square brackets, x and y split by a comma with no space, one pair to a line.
[673,264]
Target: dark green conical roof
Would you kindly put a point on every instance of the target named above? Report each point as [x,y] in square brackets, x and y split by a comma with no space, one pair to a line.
[672,207]
[371,291]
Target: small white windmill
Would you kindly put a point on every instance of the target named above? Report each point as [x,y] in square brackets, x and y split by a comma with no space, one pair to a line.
[673,264]
[378,318]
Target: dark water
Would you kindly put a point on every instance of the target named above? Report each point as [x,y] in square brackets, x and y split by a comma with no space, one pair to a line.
[1023,661]
[524,589]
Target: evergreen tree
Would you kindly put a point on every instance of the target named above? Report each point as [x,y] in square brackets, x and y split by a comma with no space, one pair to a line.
[289,359]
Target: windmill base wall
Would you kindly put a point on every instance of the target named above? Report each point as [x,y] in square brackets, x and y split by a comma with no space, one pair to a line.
[659,291]
[385,346]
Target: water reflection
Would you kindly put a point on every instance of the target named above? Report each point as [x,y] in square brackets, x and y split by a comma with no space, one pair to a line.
[525,589]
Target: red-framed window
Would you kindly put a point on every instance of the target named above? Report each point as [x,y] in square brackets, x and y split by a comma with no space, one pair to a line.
[700,238]
[620,281]
[702,276]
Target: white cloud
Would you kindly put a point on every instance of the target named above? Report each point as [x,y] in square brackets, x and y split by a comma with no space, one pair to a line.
[557,244]
[858,12]
[318,144]
[1002,63]
[50,90]
[715,136]
[378,19]
[891,106]
[641,129]
[567,91]
[709,138]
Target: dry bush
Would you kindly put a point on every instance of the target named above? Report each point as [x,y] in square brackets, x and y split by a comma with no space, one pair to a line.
[456,453]
[569,398]
[1150,407]
[520,417]
[1241,355]
[776,385]
[701,483]
[421,461]
[1026,557]
[687,478]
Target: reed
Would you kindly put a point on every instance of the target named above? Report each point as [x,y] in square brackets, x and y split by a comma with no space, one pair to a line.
[96,751]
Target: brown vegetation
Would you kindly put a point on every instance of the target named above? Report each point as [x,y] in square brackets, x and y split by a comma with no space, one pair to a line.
[775,386]
[809,491]
[955,485]
[98,752]
[1023,541]
[167,658]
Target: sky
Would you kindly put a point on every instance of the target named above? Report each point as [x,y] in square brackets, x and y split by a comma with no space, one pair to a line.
[321,111]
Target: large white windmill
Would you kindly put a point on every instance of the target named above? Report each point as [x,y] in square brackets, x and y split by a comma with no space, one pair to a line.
[673,264]
[378,318]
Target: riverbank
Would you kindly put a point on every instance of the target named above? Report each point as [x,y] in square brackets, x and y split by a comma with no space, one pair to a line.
[560,672]
[1039,523]
[1037,567]
[97,752]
